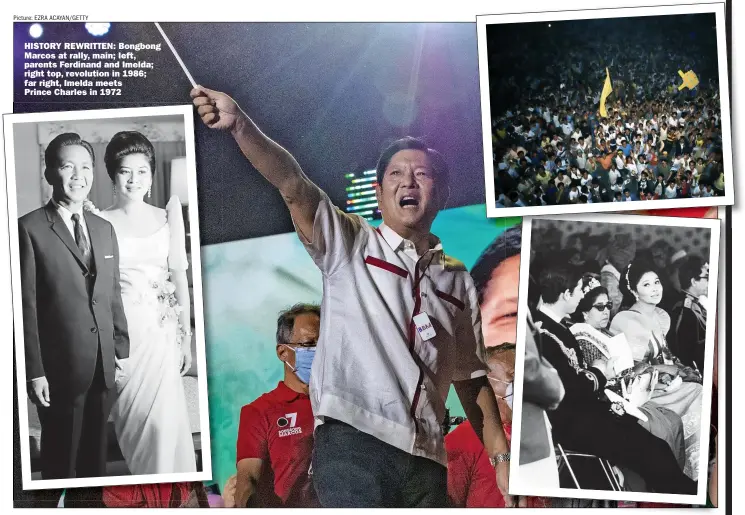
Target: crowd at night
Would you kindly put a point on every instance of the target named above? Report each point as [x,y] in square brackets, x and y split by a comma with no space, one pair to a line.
[552,146]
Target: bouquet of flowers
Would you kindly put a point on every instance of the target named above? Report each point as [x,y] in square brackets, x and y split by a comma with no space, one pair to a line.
[630,391]
[89,206]
[167,302]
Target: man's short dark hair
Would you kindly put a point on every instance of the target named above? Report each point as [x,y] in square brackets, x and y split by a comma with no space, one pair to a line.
[504,246]
[439,165]
[286,320]
[556,278]
[68,139]
[689,270]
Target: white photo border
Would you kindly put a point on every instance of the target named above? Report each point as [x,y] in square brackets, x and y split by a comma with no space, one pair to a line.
[523,488]
[722,344]
[717,8]
[186,111]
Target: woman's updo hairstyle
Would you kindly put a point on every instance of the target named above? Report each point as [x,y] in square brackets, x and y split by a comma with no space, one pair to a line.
[126,143]
[631,276]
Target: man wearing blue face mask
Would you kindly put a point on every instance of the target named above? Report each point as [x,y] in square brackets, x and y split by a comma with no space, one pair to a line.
[304,353]
[275,434]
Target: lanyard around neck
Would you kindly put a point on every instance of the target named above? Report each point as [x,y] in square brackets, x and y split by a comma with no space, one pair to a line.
[419,276]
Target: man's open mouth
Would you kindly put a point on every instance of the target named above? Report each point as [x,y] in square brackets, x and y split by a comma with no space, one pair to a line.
[408,201]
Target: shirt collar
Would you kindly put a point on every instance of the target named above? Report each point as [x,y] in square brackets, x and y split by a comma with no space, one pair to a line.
[286,394]
[395,240]
[550,313]
[691,295]
[65,213]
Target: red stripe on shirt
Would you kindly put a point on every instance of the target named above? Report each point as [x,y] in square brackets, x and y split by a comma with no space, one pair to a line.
[385,265]
[452,300]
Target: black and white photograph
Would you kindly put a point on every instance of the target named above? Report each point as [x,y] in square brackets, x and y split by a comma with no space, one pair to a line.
[605,110]
[107,297]
[621,309]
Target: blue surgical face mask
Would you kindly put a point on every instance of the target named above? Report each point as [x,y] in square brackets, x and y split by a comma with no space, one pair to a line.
[303,362]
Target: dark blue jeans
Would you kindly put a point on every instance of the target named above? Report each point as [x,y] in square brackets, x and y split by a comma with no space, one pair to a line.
[352,469]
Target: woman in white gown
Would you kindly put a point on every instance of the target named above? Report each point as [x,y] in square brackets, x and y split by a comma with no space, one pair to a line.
[645,327]
[150,414]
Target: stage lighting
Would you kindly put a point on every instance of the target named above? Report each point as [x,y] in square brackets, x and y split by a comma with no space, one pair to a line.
[97,29]
[35,30]
[549,25]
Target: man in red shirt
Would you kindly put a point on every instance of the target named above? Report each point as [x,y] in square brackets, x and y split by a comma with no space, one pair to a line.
[275,434]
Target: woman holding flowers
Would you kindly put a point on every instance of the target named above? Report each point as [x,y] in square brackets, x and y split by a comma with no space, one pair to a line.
[150,414]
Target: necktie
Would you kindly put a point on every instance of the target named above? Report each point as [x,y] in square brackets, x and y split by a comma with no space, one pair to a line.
[81,240]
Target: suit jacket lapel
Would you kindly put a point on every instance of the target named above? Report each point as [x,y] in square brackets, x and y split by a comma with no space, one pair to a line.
[60,229]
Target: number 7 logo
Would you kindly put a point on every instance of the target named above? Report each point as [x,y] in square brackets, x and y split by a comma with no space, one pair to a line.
[292,417]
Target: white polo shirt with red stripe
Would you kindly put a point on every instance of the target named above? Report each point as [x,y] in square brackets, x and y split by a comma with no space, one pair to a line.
[372,370]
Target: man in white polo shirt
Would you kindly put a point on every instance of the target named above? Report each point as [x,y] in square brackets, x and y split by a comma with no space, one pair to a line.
[401,324]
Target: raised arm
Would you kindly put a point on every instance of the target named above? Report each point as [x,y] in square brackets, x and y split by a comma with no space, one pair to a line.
[221,112]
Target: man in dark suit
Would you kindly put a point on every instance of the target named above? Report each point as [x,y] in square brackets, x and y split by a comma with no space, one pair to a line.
[688,332]
[74,327]
[583,422]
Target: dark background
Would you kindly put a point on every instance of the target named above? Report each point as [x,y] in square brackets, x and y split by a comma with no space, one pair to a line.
[333,94]
[533,49]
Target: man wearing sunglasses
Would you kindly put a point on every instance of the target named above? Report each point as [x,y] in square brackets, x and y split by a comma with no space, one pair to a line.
[275,433]
[688,332]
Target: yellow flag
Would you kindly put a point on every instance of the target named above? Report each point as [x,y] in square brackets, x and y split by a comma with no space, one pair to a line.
[690,80]
[607,89]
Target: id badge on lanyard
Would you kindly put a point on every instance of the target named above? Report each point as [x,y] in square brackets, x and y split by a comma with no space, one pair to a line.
[423,324]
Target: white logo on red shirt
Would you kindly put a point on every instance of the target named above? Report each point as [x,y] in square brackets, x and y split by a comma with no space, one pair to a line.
[290,420]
